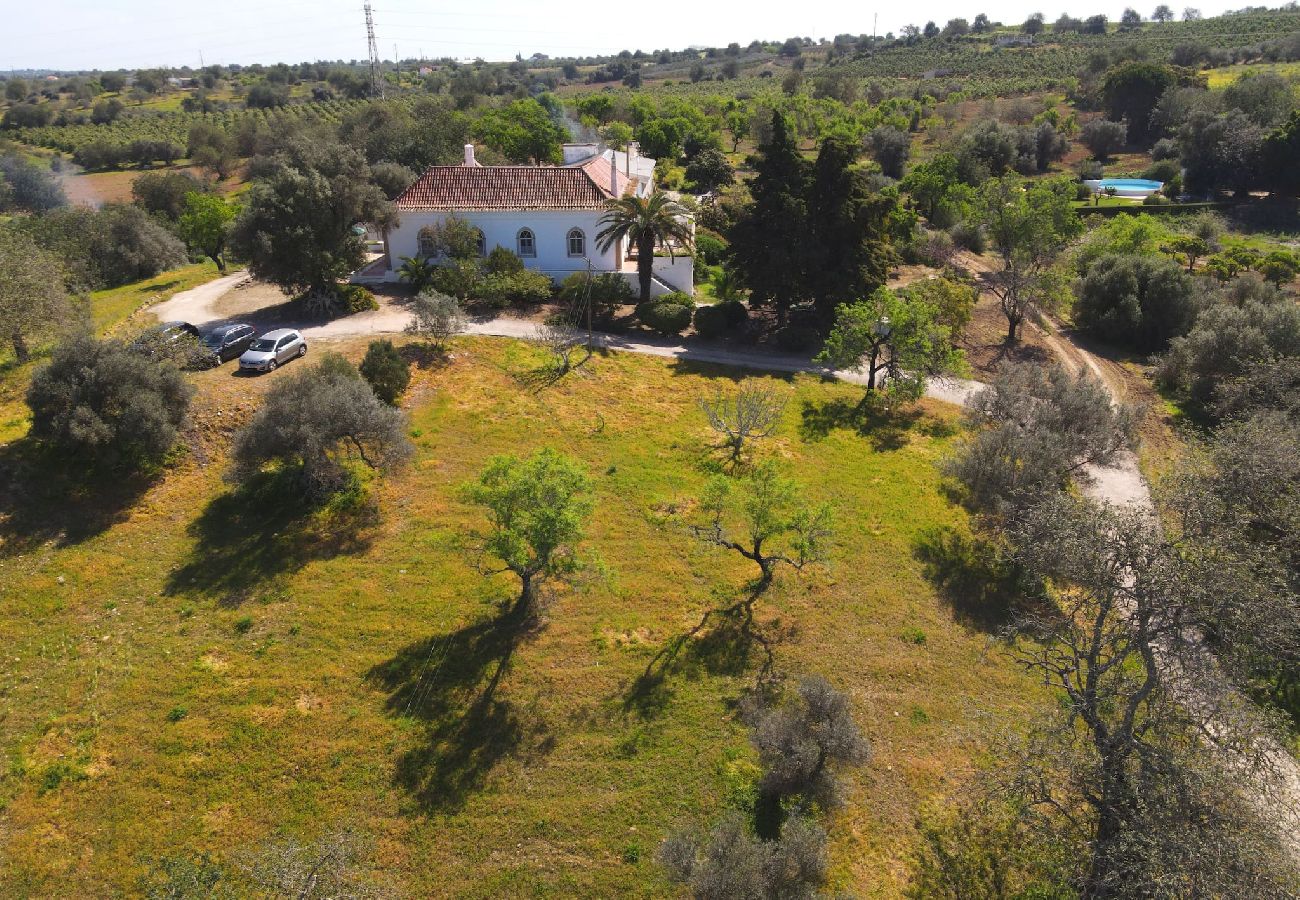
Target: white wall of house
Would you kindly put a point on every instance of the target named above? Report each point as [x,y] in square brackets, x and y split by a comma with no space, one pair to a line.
[550,230]
[677,272]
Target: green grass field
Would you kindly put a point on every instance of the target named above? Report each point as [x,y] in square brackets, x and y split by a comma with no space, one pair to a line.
[187,669]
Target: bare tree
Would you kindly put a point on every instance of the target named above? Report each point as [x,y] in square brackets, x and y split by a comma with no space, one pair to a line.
[563,342]
[753,412]
[1133,772]
[436,317]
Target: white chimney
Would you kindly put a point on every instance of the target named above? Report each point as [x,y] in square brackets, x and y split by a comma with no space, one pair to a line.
[613,173]
[469,155]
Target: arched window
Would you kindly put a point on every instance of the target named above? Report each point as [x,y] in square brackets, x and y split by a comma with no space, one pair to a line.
[526,242]
[577,242]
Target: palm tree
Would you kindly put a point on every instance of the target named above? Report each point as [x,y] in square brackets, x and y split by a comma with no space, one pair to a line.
[645,222]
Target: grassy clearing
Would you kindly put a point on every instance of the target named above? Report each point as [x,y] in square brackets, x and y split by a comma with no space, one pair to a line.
[1221,78]
[199,670]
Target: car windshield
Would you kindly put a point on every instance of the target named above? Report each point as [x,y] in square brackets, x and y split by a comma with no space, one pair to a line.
[263,344]
[213,340]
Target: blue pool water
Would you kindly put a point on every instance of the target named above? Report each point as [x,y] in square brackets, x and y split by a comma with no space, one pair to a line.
[1138,184]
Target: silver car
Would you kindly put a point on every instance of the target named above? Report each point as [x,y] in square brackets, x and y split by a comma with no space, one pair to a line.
[273,349]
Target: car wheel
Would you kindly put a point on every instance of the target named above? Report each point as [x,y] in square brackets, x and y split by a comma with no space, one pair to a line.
[270,367]
[302,351]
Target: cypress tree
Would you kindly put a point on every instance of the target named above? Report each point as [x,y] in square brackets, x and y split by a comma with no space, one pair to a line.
[770,243]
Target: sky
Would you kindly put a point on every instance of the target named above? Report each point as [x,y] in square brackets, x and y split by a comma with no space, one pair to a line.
[112,34]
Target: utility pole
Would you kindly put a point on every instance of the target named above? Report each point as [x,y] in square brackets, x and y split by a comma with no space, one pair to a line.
[376,83]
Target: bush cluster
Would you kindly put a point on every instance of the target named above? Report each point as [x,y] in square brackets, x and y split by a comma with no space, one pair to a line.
[720,318]
[668,314]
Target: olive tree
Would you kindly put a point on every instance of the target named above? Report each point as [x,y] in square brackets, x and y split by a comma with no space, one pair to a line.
[1228,340]
[436,317]
[1141,302]
[106,405]
[537,510]
[1148,788]
[803,742]
[1028,224]
[731,862]
[33,299]
[1103,137]
[763,517]
[890,147]
[1033,429]
[899,340]
[315,424]
[296,229]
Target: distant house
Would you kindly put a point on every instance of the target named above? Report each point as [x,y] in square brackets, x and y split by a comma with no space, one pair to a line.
[548,216]
[1013,40]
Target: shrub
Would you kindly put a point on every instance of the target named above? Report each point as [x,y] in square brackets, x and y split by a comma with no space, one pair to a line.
[716,320]
[501,290]
[502,262]
[107,405]
[709,247]
[436,317]
[1136,301]
[1155,200]
[609,290]
[968,237]
[314,422]
[669,314]
[385,371]
[460,278]
[798,338]
[354,299]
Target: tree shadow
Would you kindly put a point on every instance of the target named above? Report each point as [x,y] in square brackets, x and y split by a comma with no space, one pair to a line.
[424,355]
[555,369]
[726,641]
[46,498]
[981,585]
[449,682]
[248,540]
[885,426]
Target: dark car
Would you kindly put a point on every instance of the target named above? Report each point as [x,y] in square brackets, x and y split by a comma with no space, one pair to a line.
[170,340]
[226,342]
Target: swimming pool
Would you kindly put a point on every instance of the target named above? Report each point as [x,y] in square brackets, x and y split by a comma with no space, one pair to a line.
[1138,188]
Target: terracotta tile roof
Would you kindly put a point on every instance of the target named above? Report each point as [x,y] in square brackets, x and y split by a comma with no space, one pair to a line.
[508,187]
[598,167]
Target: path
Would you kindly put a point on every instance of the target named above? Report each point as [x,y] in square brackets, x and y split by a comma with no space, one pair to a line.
[1120,484]
[197,306]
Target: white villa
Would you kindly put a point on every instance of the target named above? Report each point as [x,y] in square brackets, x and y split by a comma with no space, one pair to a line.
[548,215]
